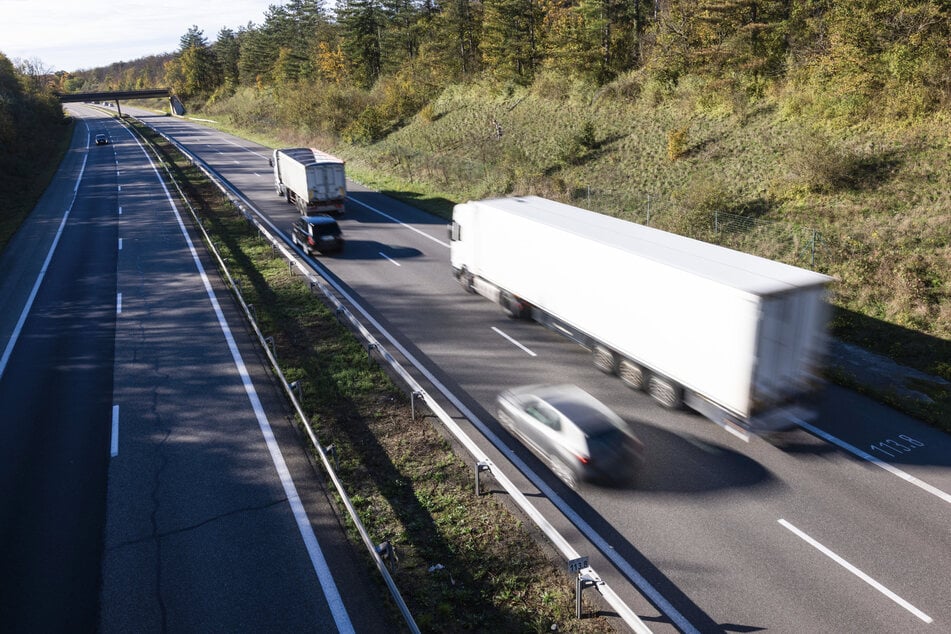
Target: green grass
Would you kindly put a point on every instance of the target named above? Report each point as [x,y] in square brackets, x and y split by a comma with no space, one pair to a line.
[401,473]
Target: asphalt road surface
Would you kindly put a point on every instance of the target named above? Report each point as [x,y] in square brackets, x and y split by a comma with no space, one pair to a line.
[840,526]
[151,477]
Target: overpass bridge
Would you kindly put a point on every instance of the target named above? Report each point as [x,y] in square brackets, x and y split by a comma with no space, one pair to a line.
[116,95]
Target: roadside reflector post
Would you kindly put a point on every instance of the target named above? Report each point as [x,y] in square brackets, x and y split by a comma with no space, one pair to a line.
[585,579]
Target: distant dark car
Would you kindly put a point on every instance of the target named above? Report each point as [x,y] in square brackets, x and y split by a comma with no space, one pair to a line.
[102,139]
[577,435]
[317,234]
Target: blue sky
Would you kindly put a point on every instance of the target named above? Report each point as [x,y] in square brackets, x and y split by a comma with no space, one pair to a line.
[81,34]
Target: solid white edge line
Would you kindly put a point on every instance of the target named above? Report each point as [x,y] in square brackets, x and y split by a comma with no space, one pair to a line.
[114,447]
[321,568]
[907,477]
[514,342]
[15,335]
[390,259]
[855,571]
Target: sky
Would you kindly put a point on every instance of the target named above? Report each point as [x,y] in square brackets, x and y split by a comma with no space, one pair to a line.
[75,35]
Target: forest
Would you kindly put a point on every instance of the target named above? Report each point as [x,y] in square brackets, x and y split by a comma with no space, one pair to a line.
[817,132]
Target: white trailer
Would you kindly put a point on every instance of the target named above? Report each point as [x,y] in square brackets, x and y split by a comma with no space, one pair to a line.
[313,180]
[733,336]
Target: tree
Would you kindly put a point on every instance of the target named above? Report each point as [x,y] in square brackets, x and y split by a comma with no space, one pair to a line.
[361,28]
[510,30]
[227,51]
[194,72]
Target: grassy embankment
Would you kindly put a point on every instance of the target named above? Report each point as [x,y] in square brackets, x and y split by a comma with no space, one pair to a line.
[870,204]
[402,475]
[28,173]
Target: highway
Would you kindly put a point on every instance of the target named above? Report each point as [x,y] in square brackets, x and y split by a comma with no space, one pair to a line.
[840,526]
[152,478]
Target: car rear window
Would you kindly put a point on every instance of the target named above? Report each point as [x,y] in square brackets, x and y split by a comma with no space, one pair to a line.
[326,229]
[606,442]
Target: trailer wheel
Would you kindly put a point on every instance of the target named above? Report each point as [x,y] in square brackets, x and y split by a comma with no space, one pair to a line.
[668,394]
[467,280]
[631,374]
[513,307]
[287,196]
[604,360]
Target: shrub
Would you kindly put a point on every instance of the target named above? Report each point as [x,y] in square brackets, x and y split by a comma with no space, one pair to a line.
[677,142]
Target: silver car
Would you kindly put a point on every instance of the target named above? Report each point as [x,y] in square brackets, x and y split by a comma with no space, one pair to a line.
[577,435]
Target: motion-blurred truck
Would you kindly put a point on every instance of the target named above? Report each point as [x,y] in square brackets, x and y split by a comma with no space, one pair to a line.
[313,180]
[735,337]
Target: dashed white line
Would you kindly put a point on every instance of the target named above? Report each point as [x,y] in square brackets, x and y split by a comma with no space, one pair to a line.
[399,222]
[120,244]
[855,571]
[390,259]
[513,341]
[907,477]
[118,303]
[114,449]
[120,211]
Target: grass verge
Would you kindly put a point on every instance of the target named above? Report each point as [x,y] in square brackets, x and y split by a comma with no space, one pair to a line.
[465,562]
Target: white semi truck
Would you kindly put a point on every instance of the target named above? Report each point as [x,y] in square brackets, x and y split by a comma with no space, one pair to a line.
[313,180]
[736,337]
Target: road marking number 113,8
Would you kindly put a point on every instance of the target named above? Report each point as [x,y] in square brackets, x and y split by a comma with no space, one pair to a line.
[891,447]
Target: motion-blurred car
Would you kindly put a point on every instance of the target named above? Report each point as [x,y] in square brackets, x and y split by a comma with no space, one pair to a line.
[579,437]
[102,139]
[317,234]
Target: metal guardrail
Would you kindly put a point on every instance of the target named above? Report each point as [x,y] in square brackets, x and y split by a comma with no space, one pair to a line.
[586,575]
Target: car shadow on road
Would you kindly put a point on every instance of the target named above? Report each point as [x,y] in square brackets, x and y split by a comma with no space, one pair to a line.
[373,250]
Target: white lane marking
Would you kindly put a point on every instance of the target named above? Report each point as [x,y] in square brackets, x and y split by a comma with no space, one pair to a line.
[118,303]
[390,259]
[15,335]
[907,477]
[120,211]
[114,449]
[120,188]
[399,222]
[319,563]
[120,244]
[855,571]
[513,341]
[258,175]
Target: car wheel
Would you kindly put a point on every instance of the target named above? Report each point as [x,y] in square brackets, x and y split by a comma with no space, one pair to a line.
[564,473]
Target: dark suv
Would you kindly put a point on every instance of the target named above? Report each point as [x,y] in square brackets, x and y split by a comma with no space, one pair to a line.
[317,234]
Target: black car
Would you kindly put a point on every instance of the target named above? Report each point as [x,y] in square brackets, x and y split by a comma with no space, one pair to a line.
[317,234]
[102,139]
[577,435]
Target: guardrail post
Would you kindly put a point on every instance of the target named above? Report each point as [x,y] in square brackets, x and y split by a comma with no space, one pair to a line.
[388,554]
[479,468]
[296,387]
[270,342]
[331,450]
[416,395]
